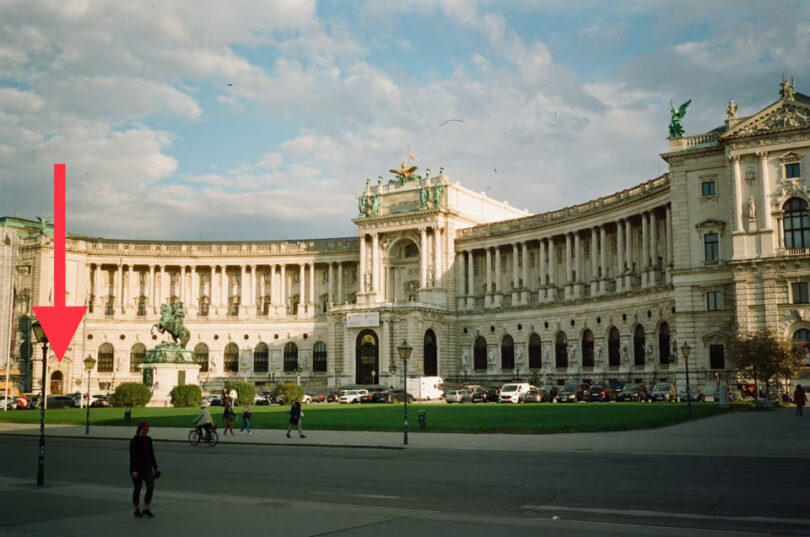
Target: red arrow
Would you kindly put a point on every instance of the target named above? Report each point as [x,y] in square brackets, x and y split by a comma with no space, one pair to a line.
[59,321]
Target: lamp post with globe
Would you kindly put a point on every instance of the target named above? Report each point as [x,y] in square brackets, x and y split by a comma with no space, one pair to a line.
[89,364]
[685,351]
[404,354]
[41,337]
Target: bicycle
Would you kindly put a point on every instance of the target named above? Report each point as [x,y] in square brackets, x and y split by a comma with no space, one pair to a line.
[211,437]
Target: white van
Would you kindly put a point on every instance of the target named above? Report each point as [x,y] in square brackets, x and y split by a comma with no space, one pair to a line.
[513,392]
[426,388]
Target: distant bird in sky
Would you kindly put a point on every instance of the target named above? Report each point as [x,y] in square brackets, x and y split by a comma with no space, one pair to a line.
[230,84]
[449,120]
[496,170]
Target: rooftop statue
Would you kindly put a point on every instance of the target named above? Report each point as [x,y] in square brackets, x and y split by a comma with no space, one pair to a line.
[171,321]
[405,174]
[675,125]
[731,110]
[786,89]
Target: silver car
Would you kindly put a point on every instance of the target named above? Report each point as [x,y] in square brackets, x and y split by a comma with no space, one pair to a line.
[458,396]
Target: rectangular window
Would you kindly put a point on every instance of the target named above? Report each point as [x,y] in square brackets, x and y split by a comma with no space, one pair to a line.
[708,188]
[714,300]
[801,293]
[711,247]
[792,170]
[717,358]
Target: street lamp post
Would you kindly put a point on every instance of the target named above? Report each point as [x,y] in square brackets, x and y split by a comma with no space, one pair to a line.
[40,336]
[405,353]
[89,364]
[685,351]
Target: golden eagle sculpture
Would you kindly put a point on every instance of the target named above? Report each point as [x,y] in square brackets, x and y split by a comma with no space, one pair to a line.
[404,173]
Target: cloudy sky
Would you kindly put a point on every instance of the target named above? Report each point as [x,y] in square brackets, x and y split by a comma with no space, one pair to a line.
[262,120]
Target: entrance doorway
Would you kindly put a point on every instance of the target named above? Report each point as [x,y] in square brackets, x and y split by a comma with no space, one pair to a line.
[367,358]
[431,360]
[56,383]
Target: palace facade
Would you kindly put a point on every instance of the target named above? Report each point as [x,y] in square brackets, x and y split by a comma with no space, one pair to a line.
[608,289]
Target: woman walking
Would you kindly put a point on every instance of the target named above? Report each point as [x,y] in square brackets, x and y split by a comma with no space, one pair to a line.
[228,416]
[799,399]
[296,417]
[246,419]
[143,468]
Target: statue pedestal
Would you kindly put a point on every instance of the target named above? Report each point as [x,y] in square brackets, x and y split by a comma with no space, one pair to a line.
[165,367]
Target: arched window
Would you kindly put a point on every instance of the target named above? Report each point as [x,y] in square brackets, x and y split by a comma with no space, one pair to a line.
[535,352]
[261,356]
[201,356]
[587,348]
[231,361]
[290,357]
[507,352]
[638,345]
[663,344]
[561,350]
[614,344]
[797,224]
[430,354]
[480,353]
[319,357]
[106,355]
[136,357]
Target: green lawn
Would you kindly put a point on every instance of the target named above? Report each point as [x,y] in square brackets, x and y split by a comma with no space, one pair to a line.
[468,418]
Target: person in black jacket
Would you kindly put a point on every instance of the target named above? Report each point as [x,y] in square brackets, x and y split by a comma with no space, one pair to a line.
[143,468]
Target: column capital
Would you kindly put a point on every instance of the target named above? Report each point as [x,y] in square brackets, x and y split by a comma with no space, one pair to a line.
[762,155]
[734,158]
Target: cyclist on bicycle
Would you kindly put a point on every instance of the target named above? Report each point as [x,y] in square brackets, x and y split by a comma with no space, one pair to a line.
[204,421]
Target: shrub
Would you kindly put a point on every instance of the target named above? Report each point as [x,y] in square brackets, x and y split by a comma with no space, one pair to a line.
[287,392]
[187,395]
[245,391]
[131,394]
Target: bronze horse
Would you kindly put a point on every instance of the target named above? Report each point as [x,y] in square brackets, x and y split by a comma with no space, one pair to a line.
[171,321]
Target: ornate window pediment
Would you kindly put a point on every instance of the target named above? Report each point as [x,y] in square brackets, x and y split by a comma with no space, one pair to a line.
[790,157]
[714,338]
[709,225]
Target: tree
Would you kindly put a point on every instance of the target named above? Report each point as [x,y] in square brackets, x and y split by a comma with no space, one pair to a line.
[764,356]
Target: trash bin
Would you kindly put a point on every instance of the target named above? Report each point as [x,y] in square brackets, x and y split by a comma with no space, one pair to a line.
[127,415]
[422,419]
[722,395]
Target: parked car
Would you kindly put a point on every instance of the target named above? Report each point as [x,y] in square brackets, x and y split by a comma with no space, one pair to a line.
[27,402]
[537,395]
[599,393]
[513,392]
[101,401]
[391,396]
[617,386]
[663,391]
[8,402]
[317,397]
[486,395]
[213,400]
[633,392]
[458,396]
[61,401]
[352,396]
[263,399]
[570,393]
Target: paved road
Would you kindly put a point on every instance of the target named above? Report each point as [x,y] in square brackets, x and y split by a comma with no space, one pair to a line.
[289,490]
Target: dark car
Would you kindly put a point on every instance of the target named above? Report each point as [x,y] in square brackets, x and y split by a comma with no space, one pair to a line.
[598,393]
[61,401]
[572,393]
[390,396]
[633,392]
[537,395]
[486,395]
[101,401]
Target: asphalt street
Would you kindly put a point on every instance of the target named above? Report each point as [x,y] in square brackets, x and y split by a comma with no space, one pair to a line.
[297,490]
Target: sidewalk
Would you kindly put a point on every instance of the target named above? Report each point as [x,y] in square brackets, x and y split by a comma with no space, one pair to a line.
[776,433]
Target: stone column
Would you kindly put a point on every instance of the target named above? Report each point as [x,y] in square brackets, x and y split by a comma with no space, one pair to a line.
[340,283]
[552,268]
[312,297]
[331,276]
[653,279]
[375,262]
[195,287]
[437,257]
[620,261]
[644,265]
[182,291]
[283,288]
[579,266]
[470,281]
[515,284]
[603,258]
[594,262]
[252,290]
[161,294]
[525,288]
[488,297]
[302,287]
[213,296]
[765,211]
[498,278]
[461,281]
[423,257]
[128,288]
[97,287]
[543,263]
[737,186]
[569,267]
[361,278]
[628,245]
[669,244]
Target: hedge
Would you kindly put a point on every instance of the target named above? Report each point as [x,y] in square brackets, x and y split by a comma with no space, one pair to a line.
[186,395]
[245,391]
[287,392]
[131,394]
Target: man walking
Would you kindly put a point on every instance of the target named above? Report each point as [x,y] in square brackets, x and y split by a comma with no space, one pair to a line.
[799,399]
[296,417]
